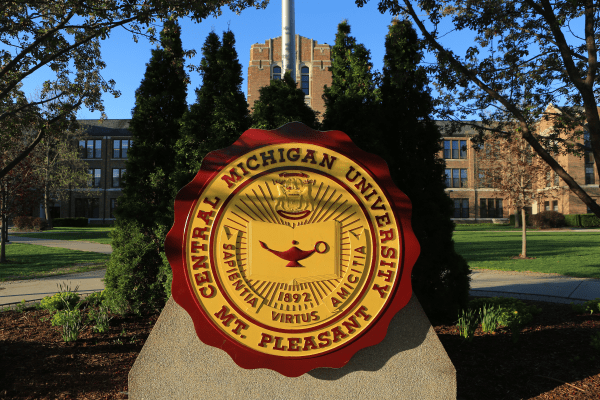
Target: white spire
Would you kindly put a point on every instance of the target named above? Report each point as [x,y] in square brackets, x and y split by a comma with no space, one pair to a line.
[288,37]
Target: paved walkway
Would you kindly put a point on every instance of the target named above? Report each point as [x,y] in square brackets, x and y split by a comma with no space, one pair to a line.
[523,285]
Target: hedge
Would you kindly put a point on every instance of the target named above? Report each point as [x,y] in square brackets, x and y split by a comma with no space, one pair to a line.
[80,222]
[582,220]
[512,219]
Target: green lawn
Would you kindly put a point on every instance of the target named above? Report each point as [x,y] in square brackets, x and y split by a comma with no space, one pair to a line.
[30,261]
[567,253]
[486,227]
[88,234]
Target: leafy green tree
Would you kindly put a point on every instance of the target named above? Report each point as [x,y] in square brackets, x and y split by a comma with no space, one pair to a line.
[63,36]
[282,102]
[522,57]
[220,114]
[409,140]
[352,96]
[145,210]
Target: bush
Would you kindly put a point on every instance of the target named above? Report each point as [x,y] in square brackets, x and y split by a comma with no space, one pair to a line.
[40,224]
[95,299]
[512,219]
[80,222]
[589,220]
[514,314]
[590,306]
[60,301]
[23,223]
[548,219]
[573,220]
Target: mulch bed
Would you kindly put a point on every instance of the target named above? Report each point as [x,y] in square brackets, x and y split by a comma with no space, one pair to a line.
[552,359]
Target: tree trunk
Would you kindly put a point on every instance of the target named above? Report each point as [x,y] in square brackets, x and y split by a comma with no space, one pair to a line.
[524,236]
[47,190]
[3,239]
[516,217]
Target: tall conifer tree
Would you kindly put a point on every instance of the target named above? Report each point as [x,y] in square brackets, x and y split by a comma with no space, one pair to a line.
[352,96]
[138,273]
[220,114]
[408,139]
[282,102]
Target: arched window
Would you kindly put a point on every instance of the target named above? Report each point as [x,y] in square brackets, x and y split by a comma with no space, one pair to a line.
[304,78]
[277,73]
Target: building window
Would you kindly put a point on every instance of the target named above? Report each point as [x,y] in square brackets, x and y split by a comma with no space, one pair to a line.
[120,147]
[117,177]
[556,179]
[490,208]
[461,208]
[484,180]
[588,156]
[456,177]
[589,174]
[304,79]
[94,177]
[91,148]
[456,149]
[113,207]
[546,206]
[555,205]
[277,73]
[87,208]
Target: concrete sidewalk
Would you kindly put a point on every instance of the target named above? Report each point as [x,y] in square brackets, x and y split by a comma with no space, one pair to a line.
[522,285]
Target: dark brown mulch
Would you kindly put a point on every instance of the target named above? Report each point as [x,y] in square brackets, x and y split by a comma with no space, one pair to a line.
[553,358]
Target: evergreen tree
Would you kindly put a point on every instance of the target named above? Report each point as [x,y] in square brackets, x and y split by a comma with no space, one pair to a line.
[138,274]
[220,114]
[282,102]
[352,97]
[409,141]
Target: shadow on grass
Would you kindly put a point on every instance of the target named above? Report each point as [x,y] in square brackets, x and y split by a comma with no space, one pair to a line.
[26,260]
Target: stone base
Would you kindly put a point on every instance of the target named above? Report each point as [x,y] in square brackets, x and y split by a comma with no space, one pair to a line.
[410,363]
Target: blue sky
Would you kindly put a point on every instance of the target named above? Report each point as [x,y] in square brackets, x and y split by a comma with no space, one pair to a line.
[126,60]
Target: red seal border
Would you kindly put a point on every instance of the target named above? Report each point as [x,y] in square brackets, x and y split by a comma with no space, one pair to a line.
[212,165]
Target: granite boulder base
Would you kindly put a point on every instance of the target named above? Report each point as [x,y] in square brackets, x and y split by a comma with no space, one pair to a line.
[410,363]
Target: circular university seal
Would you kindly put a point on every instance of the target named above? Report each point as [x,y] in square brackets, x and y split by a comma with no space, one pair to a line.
[292,249]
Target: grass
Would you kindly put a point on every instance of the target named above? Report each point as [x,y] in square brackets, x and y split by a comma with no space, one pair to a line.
[487,227]
[567,253]
[88,234]
[26,261]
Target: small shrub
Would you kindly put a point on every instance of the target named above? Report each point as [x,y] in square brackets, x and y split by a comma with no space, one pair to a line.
[23,223]
[490,317]
[95,299]
[589,220]
[101,319]
[65,298]
[590,306]
[40,224]
[514,314]
[467,323]
[71,322]
[548,219]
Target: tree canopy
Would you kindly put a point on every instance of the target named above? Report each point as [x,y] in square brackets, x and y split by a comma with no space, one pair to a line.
[523,57]
[138,274]
[220,114]
[65,36]
[282,102]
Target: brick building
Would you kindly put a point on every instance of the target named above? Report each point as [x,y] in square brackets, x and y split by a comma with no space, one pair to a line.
[312,69]
[105,150]
[474,202]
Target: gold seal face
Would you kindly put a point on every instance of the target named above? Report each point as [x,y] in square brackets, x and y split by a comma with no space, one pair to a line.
[292,250]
